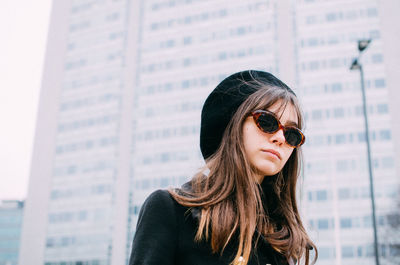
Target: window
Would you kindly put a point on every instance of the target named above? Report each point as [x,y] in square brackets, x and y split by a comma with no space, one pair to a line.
[367,220]
[387,162]
[164,182]
[379,83]
[344,193]
[374,34]
[336,87]
[316,114]
[338,112]
[372,12]
[385,135]
[361,137]
[345,222]
[358,110]
[331,17]
[314,65]
[383,108]
[347,252]
[340,138]
[377,58]
[187,40]
[359,251]
[393,219]
[341,165]
[311,20]
[323,224]
[326,252]
[322,195]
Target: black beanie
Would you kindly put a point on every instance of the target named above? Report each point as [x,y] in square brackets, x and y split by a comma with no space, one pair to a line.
[224,100]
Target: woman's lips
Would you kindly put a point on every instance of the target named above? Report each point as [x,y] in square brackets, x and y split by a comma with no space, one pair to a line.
[276,153]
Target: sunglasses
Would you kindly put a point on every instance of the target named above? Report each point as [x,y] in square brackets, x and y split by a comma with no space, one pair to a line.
[267,122]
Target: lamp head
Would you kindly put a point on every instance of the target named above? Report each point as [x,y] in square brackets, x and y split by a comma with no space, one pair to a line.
[355,65]
[363,44]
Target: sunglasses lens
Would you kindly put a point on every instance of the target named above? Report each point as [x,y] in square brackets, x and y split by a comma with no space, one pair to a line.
[268,123]
[293,136]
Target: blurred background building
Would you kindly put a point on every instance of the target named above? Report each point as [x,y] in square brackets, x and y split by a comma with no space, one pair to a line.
[11,213]
[119,115]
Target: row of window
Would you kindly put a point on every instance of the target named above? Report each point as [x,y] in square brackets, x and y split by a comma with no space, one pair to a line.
[340,16]
[99,59]
[85,168]
[209,15]
[368,251]
[166,157]
[67,217]
[96,215]
[351,37]
[355,193]
[329,223]
[160,5]
[350,138]
[341,112]
[105,79]
[389,221]
[78,6]
[10,232]
[346,165]
[87,123]
[87,145]
[94,40]
[9,258]
[10,244]
[203,59]
[195,82]
[335,88]
[9,218]
[85,24]
[85,240]
[79,262]
[166,133]
[360,251]
[89,101]
[81,192]
[163,182]
[204,37]
[345,62]
[82,7]
[171,110]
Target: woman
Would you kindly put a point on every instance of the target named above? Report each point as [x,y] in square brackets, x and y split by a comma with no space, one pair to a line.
[241,207]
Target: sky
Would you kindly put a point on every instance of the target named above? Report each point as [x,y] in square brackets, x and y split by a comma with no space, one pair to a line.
[23,31]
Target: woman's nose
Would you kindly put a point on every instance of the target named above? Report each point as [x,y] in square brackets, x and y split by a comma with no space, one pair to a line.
[278,137]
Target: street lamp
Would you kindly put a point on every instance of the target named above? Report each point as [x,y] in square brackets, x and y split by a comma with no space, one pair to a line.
[362,45]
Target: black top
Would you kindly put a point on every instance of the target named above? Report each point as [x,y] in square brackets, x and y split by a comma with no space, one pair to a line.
[165,236]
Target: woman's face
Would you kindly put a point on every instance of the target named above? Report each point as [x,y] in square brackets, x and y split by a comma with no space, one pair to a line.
[266,152]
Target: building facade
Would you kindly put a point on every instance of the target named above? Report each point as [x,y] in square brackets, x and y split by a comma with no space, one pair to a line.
[123,86]
[10,231]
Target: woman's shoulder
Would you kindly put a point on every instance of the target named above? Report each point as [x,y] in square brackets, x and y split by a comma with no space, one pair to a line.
[159,199]
[162,200]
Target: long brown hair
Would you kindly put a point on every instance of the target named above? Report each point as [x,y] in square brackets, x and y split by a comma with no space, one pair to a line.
[232,201]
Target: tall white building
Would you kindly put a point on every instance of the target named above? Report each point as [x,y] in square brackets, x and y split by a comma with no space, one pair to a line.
[336,172]
[119,115]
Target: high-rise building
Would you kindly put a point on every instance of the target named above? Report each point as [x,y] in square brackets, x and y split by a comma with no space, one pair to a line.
[10,231]
[123,86]
[336,173]
[73,195]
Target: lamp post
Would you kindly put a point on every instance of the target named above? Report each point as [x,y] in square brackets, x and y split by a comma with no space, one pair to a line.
[362,45]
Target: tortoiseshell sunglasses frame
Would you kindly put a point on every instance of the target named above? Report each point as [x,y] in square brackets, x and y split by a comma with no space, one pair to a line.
[256,115]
